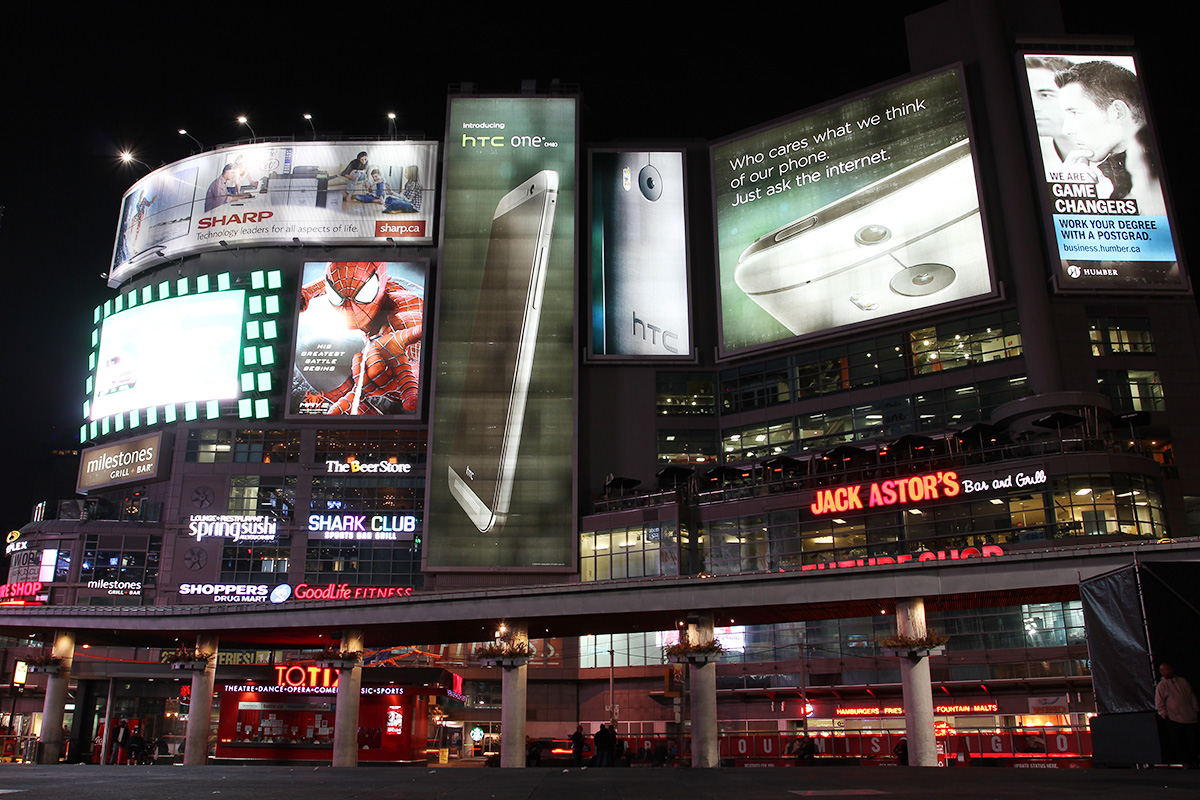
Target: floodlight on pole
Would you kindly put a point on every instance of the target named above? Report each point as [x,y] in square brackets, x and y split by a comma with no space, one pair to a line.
[128,158]
[246,122]
[183,132]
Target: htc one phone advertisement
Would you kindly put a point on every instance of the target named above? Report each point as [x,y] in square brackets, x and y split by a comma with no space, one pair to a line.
[318,192]
[639,291]
[358,339]
[500,464]
[1101,175]
[848,216]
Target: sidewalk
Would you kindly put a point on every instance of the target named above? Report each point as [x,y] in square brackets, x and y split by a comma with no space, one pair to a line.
[425,783]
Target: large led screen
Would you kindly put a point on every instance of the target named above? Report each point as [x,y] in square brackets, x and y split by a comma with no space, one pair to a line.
[358,338]
[322,192]
[1100,174]
[639,258]
[847,216]
[172,351]
[500,464]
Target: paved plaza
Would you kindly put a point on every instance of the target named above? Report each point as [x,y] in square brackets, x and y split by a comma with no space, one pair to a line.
[82,782]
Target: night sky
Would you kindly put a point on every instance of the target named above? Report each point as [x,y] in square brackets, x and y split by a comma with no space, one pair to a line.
[79,89]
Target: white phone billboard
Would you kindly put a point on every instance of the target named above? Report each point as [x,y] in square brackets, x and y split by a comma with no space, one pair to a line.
[860,212]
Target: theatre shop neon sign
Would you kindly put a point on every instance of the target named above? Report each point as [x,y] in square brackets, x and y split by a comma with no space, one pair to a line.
[987,551]
[917,489]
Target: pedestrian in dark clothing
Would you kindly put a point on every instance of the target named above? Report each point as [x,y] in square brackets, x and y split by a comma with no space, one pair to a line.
[901,752]
[577,739]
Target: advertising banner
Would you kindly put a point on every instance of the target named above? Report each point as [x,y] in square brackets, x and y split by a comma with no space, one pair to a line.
[639,291]
[850,215]
[131,461]
[270,193]
[1099,169]
[359,328]
[169,351]
[500,465]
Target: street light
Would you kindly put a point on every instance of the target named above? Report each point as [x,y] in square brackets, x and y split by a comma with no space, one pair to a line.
[308,117]
[392,124]
[183,132]
[246,122]
[128,158]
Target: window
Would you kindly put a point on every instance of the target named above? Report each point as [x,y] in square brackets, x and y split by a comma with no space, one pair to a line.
[963,343]
[371,445]
[339,493]
[263,495]
[1111,335]
[1132,390]
[117,557]
[215,445]
[683,446]
[255,564]
[374,564]
[685,394]
[638,552]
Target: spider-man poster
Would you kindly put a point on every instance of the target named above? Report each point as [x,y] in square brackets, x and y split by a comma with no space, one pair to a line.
[358,339]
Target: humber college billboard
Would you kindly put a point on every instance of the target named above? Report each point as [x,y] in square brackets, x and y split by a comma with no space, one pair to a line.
[1100,173]
[326,192]
[501,449]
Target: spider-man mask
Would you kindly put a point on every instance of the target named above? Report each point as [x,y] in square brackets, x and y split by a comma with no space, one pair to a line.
[356,289]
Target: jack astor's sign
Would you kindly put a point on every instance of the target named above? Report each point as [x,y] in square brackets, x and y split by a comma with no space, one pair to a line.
[919,489]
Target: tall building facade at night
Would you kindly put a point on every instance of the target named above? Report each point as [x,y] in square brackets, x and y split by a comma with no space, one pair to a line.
[923,342]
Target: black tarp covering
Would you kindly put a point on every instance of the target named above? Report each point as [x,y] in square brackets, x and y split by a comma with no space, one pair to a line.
[1121,670]
[1122,673]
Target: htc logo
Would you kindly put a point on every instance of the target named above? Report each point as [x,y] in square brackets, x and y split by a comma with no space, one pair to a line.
[482,141]
[656,333]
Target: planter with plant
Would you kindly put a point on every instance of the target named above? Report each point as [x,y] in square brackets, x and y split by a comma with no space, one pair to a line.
[689,652]
[914,647]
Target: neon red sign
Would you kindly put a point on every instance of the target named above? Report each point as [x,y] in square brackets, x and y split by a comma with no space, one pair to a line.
[307,677]
[987,551]
[21,589]
[900,491]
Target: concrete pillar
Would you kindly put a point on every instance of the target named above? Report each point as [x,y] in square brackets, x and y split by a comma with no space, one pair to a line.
[703,696]
[349,694]
[55,705]
[199,722]
[918,690]
[512,704]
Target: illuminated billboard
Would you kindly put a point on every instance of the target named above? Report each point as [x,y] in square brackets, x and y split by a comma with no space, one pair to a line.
[500,488]
[639,257]
[315,192]
[180,349]
[187,347]
[358,339]
[1102,186]
[140,459]
[850,215]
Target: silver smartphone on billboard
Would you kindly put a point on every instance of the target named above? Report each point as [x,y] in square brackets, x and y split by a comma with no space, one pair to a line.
[487,436]
[908,241]
[639,264]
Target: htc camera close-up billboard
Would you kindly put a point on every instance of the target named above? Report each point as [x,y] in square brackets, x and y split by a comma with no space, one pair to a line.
[172,351]
[358,338]
[501,455]
[324,192]
[639,257]
[1099,169]
[849,215]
